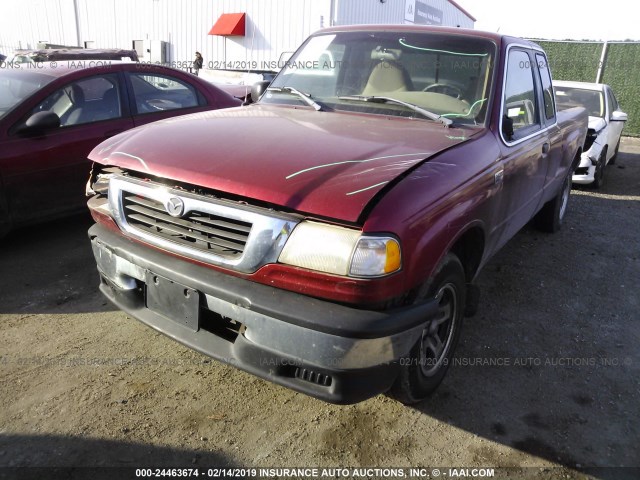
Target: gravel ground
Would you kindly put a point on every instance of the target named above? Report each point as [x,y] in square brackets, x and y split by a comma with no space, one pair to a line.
[547,374]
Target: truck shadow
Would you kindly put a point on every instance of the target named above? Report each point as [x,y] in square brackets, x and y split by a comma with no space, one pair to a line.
[57,456]
[49,268]
[549,364]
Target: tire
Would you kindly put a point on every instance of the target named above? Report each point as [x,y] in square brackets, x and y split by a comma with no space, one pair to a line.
[612,161]
[550,218]
[598,175]
[422,370]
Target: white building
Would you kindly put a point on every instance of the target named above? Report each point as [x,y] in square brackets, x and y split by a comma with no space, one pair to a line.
[171,31]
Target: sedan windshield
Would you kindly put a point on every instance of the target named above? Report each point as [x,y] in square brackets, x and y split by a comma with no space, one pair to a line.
[17,85]
[446,76]
[592,100]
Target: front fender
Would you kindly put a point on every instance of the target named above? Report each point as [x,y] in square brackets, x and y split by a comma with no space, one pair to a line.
[438,203]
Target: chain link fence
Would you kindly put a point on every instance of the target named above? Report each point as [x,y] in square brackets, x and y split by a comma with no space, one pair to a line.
[614,63]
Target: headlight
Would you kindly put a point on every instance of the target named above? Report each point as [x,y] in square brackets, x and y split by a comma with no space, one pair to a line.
[341,251]
[375,256]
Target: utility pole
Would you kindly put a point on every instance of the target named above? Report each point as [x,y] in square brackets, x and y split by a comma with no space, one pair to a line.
[603,59]
[77,19]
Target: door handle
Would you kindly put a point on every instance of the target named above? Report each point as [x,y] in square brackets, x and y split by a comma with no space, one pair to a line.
[545,148]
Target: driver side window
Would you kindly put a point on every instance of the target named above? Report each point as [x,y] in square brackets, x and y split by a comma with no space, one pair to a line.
[520,108]
[85,101]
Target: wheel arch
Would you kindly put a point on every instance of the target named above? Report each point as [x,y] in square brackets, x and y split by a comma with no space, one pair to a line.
[469,247]
[576,159]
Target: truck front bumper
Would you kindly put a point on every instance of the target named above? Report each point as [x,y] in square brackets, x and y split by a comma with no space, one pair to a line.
[329,351]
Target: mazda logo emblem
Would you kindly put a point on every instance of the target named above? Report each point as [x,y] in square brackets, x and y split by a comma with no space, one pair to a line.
[174,206]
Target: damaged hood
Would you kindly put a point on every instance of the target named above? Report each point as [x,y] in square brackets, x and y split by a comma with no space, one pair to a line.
[326,164]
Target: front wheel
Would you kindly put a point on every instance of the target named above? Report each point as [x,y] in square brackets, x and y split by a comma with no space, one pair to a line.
[550,218]
[613,159]
[422,370]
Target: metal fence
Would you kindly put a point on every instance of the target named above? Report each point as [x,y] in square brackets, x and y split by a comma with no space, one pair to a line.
[614,63]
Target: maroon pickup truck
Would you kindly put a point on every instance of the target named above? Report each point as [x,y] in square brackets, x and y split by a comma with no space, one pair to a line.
[327,237]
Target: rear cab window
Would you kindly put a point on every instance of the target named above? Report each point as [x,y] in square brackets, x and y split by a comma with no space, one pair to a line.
[548,97]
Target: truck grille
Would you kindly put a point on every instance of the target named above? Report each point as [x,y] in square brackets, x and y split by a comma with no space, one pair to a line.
[199,230]
[204,228]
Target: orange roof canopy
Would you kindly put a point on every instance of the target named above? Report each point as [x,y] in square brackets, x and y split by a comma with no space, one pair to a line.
[229,24]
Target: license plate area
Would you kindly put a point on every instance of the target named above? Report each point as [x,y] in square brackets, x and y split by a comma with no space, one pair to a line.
[173,300]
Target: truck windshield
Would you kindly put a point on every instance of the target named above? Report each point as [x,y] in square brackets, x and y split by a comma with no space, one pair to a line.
[16,85]
[592,100]
[448,75]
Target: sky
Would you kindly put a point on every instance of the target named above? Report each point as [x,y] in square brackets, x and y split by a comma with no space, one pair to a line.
[557,19]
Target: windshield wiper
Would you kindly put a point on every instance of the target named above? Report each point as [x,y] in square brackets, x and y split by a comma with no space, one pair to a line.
[376,99]
[305,97]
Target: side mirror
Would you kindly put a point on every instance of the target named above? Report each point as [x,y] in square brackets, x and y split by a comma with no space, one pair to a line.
[39,123]
[257,90]
[618,116]
[507,127]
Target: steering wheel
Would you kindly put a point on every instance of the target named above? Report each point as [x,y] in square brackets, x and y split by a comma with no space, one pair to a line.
[446,89]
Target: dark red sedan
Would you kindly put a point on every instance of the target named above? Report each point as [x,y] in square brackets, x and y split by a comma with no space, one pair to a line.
[52,115]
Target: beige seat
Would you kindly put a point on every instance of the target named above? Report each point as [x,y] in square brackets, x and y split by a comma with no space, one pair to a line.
[387,76]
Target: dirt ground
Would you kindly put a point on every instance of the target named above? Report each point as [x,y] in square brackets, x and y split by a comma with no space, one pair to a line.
[547,373]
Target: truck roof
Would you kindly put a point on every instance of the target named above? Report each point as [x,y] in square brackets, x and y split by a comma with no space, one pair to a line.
[495,37]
